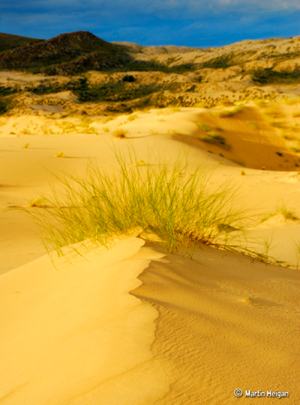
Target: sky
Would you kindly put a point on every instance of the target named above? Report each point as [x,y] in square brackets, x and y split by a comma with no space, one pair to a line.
[198,23]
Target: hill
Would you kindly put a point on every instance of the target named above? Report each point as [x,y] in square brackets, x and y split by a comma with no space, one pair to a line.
[67,53]
[8,41]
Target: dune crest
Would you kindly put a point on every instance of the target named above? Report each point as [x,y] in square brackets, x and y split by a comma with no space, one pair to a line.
[72,333]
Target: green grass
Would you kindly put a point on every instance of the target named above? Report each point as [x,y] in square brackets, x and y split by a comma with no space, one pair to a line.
[204,127]
[178,207]
[215,139]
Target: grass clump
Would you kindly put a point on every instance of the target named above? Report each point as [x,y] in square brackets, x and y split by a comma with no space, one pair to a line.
[204,127]
[179,208]
[216,139]
[288,214]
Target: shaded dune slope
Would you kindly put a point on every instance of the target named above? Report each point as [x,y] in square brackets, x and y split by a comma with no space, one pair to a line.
[245,137]
[225,322]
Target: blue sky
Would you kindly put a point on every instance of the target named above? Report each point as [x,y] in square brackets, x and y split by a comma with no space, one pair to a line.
[157,22]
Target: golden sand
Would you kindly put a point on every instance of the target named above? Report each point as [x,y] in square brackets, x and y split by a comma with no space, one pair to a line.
[85,330]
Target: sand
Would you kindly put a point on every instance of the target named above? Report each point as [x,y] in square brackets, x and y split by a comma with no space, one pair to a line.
[224,323]
[72,334]
[127,324]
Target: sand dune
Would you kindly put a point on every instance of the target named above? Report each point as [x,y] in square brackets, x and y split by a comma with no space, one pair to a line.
[72,334]
[199,328]
[224,322]
[29,163]
[129,325]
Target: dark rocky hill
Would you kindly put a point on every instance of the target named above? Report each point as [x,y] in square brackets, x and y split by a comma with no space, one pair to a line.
[66,54]
[8,41]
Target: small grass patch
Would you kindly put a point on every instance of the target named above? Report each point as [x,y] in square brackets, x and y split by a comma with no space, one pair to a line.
[288,214]
[295,149]
[215,139]
[204,127]
[178,207]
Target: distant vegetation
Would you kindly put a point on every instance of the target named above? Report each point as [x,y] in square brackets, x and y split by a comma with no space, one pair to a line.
[112,91]
[66,54]
[47,88]
[178,208]
[221,62]
[8,41]
[4,105]
[269,76]
[78,52]
[7,91]
[152,66]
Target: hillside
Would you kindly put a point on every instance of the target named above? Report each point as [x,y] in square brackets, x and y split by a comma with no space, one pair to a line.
[8,41]
[251,87]
[66,53]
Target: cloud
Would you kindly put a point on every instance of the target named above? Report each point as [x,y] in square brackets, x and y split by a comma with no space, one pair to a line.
[190,22]
[189,7]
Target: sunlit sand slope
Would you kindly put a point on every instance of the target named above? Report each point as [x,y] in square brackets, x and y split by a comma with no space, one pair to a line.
[72,334]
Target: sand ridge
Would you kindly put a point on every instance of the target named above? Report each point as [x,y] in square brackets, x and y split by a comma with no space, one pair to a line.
[71,333]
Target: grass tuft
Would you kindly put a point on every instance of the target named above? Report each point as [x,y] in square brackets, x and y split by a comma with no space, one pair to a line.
[181,209]
[287,213]
[216,139]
